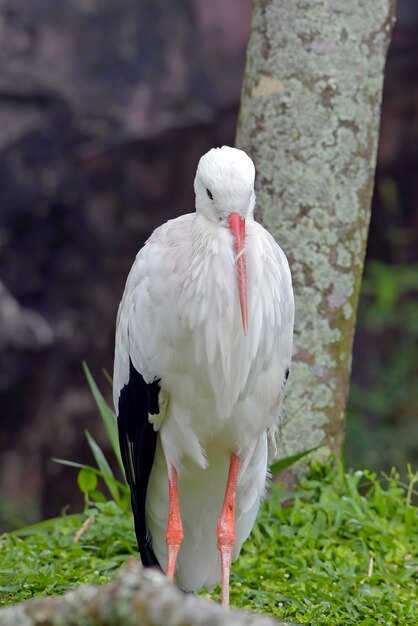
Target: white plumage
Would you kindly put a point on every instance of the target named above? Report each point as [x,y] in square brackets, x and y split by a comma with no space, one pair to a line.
[181,322]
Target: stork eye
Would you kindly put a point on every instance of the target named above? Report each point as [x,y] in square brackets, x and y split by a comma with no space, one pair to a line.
[209,194]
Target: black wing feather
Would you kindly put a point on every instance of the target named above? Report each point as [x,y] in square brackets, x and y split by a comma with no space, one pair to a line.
[138,440]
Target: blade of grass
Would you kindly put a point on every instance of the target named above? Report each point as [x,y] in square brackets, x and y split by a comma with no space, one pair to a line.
[72,464]
[107,414]
[282,464]
[107,376]
[45,526]
[104,468]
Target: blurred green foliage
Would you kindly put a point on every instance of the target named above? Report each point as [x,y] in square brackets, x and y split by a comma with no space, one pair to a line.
[382,420]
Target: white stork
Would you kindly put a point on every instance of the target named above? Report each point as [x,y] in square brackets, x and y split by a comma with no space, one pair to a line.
[203,348]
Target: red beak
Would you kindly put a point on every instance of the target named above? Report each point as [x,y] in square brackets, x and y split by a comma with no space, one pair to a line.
[237,227]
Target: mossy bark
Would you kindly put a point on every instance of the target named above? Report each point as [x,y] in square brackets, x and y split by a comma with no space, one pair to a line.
[137,597]
[309,118]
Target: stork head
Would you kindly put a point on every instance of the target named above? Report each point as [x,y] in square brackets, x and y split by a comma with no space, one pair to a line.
[224,188]
[224,184]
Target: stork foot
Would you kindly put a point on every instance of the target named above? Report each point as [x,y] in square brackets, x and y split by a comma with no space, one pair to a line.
[226,528]
[174,534]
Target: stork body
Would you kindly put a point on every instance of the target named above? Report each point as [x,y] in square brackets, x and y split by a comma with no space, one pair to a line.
[203,349]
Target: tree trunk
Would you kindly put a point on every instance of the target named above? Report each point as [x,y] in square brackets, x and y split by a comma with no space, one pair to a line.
[137,597]
[309,117]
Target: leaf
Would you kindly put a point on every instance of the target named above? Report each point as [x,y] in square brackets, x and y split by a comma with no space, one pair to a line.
[121,486]
[97,496]
[44,526]
[104,467]
[108,416]
[71,463]
[107,376]
[87,480]
[282,464]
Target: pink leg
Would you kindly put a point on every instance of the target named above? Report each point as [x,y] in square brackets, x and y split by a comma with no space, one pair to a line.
[174,534]
[226,527]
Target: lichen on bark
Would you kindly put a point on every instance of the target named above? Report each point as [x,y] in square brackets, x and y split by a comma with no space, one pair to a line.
[309,118]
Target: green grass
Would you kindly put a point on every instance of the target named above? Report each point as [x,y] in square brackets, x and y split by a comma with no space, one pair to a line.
[44,560]
[308,559]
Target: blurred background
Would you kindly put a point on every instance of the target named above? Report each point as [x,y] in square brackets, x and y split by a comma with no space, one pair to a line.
[105,108]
